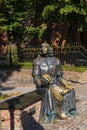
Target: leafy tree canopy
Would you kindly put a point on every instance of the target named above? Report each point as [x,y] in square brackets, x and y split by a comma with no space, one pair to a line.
[73,12]
[15,15]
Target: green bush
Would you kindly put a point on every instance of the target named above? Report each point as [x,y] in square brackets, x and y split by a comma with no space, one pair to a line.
[12,55]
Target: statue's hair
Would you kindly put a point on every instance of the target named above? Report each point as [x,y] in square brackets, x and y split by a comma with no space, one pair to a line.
[50,50]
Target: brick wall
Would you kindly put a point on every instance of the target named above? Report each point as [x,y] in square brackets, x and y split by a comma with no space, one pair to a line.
[20,119]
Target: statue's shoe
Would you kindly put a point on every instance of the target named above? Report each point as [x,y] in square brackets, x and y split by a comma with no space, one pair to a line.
[63,116]
[73,113]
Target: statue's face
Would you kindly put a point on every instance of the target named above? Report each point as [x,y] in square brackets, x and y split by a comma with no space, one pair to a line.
[44,49]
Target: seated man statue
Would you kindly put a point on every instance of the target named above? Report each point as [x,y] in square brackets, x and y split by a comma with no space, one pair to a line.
[58,101]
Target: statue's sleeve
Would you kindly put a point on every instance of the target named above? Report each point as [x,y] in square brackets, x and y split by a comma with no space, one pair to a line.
[59,70]
[60,74]
[36,74]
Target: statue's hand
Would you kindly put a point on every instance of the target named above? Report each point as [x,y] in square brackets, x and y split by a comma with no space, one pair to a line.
[69,87]
[46,79]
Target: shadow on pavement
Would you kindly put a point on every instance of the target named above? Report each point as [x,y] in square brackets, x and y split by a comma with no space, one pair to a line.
[6,73]
[29,123]
[6,88]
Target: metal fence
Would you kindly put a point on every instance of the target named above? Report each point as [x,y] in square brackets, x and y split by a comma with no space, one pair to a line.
[73,55]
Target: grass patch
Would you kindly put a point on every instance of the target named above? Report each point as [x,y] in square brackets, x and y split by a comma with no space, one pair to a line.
[21,65]
[25,65]
[76,68]
[28,65]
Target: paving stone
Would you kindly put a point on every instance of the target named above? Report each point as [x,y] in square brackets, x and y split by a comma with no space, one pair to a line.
[83,77]
[76,123]
[23,77]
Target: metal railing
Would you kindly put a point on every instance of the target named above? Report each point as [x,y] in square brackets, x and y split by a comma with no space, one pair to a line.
[71,55]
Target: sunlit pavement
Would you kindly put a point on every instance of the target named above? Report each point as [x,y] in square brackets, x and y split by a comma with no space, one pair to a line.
[75,123]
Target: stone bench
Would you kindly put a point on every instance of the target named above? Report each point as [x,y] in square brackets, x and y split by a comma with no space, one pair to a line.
[19,112]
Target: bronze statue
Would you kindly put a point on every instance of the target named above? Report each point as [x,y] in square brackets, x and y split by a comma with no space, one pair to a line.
[58,101]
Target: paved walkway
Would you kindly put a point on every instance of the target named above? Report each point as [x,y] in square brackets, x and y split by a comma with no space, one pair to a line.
[76,123]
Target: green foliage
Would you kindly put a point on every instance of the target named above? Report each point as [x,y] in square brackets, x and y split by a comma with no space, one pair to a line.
[12,53]
[47,10]
[31,31]
[68,11]
[15,15]
[72,8]
[3,96]
[41,31]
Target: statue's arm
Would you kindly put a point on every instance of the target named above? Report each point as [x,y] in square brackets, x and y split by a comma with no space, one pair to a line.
[61,78]
[39,79]
[36,75]
[65,83]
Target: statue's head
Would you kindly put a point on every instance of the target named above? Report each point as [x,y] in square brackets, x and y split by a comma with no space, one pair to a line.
[46,49]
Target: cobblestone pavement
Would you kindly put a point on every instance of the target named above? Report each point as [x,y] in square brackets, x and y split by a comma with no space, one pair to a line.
[76,123]
[23,77]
